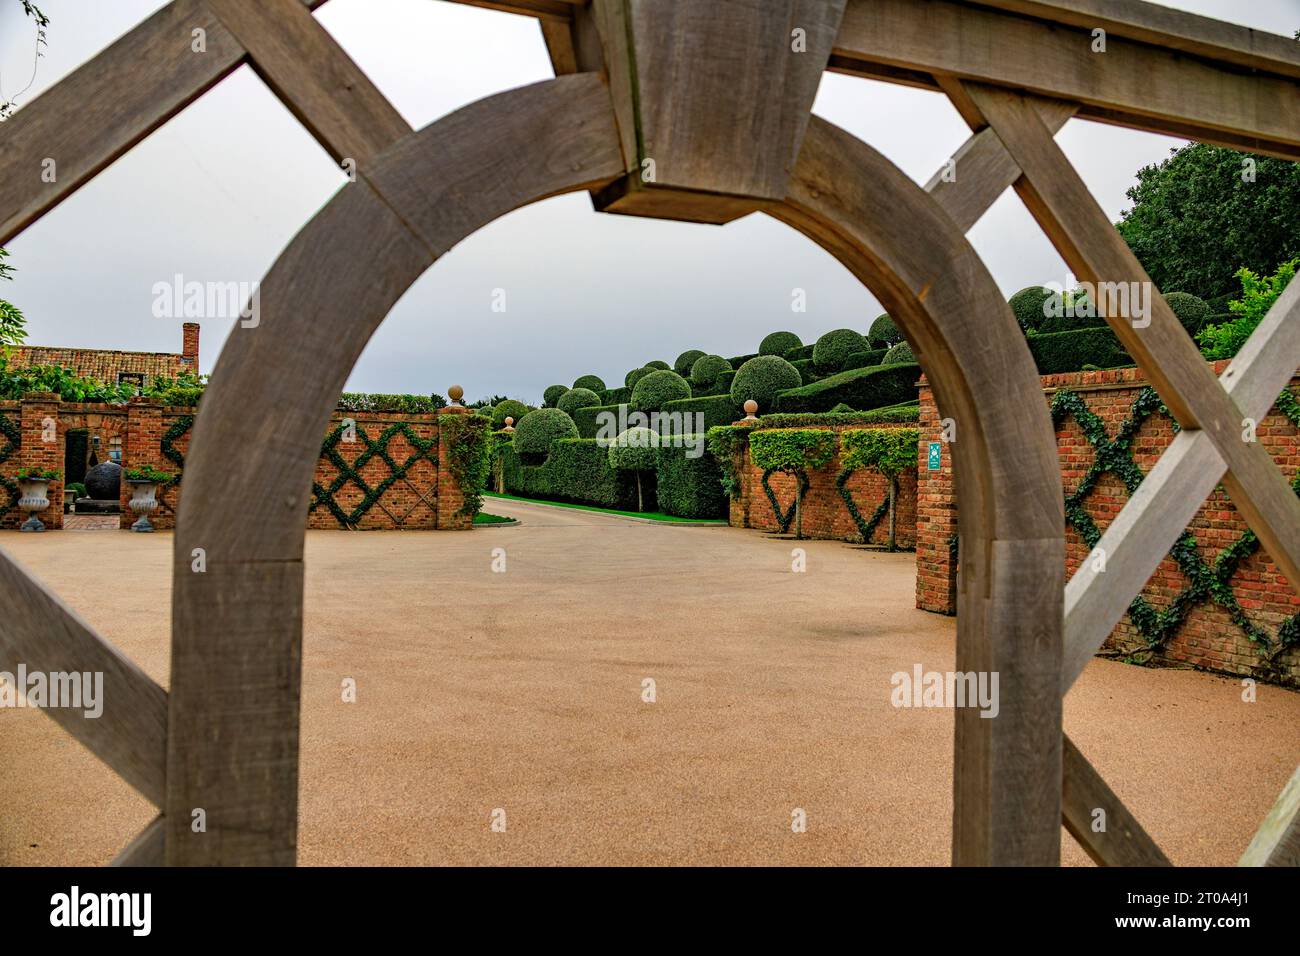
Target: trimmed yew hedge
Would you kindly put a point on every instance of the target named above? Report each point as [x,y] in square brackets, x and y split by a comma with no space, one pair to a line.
[717,409]
[1071,351]
[860,388]
[689,487]
[586,419]
[577,470]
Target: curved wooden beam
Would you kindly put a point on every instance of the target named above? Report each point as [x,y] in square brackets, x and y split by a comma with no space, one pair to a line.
[232,748]
[902,245]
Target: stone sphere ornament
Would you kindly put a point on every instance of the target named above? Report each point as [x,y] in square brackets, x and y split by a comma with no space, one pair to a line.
[510,424]
[104,481]
[751,410]
[455,393]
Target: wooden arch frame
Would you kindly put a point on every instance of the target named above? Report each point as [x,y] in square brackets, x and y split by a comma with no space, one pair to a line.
[238,759]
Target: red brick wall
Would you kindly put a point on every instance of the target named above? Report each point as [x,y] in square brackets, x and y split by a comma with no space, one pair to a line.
[824,512]
[424,497]
[1207,637]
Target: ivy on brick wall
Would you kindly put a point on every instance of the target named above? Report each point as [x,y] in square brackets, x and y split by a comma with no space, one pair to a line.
[471,459]
[13,439]
[1206,581]
[425,449]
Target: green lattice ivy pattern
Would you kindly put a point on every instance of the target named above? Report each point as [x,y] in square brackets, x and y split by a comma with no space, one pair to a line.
[1206,581]
[425,450]
[13,439]
[793,451]
[886,450]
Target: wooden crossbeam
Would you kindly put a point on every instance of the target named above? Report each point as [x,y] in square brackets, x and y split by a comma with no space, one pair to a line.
[1122,841]
[1168,499]
[984,171]
[315,79]
[102,109]
[37,630]
[1081,232]
[1145,85]
[1277,843]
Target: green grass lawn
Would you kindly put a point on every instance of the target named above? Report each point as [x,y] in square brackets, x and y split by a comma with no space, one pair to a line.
[650,515]
[484,518]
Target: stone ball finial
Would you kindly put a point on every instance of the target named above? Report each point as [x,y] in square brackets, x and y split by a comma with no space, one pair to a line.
[456,393]
[751,408]
[510,424]
[509,420]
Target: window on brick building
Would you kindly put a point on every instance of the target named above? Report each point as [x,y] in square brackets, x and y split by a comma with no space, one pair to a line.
[133,378]
[115,450]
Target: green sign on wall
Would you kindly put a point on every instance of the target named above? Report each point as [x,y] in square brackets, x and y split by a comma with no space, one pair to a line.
[936,455]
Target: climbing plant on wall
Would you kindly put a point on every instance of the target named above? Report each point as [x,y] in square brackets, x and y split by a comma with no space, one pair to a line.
[792,451]
[1206,581]
[890,451]
[471,457]
[425,449]
[13,439]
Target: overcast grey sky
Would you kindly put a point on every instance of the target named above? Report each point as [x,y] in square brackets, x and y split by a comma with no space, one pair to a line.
[219,191]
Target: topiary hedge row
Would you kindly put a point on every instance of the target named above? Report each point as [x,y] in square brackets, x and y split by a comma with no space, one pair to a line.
[864,359]
[576,398]
[705,371]
[807,371]
[862,388]
[834,348]
[536,430]
[802,352]
[616,396]
[587,419]
[689,487]
[658,387]
[901,414]
[778,343]
[1071,351]
[577,470]
[716,409]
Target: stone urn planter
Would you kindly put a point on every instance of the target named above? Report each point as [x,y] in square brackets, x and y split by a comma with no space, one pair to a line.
[34,498]
[144,501]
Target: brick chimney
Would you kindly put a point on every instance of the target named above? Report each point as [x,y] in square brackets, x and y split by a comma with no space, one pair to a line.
[190,344]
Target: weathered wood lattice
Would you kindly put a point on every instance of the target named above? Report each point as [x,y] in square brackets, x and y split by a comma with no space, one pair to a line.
[718,98]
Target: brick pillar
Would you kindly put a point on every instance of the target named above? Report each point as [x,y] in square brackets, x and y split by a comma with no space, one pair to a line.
[738,508]
[42,447]
[190,344]
[450,499]
[142,448]
[936,516]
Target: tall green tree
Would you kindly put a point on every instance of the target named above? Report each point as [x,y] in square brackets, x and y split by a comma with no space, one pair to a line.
[1206,212]
[13,327]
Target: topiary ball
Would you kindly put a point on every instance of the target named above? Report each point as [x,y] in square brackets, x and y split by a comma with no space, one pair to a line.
[485,411]
[593,383]
[833,349]
[684,361]
[778,343]
[1192,310]
[706,370]
[1027,306]
[883,332]
[900,354]
[536,430]
[660,386]
[576,398]
[552,395]
[658,363]
[635,450]
[761,378]
[634,376]
[508,409]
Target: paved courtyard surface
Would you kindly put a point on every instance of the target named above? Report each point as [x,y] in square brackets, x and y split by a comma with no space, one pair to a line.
[522,691]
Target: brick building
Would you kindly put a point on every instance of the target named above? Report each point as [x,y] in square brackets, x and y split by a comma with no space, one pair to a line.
[112,365]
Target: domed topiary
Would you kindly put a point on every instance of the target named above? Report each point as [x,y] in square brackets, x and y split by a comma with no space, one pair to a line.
[634,376]
[508,408]
[661,385]
[576,398]
[684,361]
[552,395]
[536,430]
[591,382]
[834,348]
[1027,306]
[658,363]
[761,378]
[883,332]
[900,354]
[1192,310]
[635,450]
[485,411]
[706,370]
[778,343]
